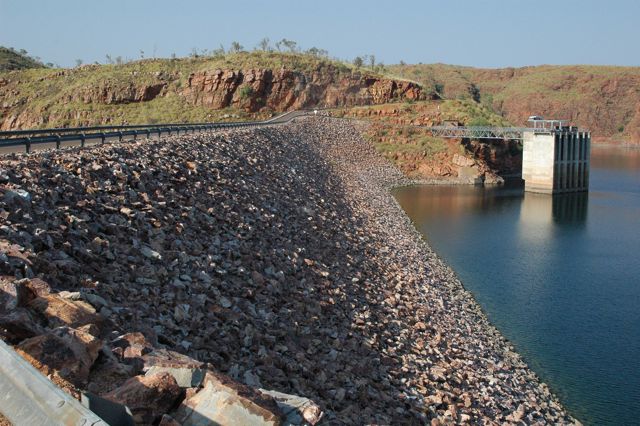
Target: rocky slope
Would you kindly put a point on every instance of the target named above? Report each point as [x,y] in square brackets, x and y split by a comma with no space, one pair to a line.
[394,129]
[243,85]
[276,255]
[604,99]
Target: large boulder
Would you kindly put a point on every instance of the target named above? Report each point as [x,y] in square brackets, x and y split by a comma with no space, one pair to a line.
[225,402]
[148,397]
[66,351]
[65,312]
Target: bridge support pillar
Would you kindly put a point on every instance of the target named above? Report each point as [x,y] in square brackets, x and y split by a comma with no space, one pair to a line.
[556,161]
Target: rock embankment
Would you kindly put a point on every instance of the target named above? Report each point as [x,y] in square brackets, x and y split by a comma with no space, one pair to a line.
[275,256]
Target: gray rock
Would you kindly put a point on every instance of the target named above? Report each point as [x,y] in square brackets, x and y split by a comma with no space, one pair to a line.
[223,401]
[185,377]
[149,253]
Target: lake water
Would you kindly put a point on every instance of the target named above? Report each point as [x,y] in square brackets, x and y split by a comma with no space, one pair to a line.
[558,275]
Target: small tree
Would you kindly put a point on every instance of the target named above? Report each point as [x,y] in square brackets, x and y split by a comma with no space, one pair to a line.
[109,59]
[264,44]
[291,45]
[78,62]
[372,61]
[236,47]
[319,53]
[218,52]
[358,61]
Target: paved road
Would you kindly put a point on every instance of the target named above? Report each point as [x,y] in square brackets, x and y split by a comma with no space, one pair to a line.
[74,140]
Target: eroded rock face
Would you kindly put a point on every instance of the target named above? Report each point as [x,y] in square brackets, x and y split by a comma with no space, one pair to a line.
[107,93]
[282,90]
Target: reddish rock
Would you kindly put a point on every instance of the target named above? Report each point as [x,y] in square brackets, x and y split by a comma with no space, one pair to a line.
[67,351]
[59,311]
[15,293]
[37,287]
[132,345]
[286,89]
[148,398]
[167,358]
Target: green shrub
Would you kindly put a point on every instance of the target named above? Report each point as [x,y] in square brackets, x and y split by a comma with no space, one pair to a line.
[479,122]
[246,92]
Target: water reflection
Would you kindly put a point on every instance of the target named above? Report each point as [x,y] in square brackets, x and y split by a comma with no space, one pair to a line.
[570,208]
[459,201]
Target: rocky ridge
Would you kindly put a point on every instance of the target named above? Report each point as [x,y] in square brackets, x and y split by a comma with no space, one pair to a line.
[275,256]
[61,96]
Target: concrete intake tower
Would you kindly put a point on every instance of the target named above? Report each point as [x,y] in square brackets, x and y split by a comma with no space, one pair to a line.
[555,157]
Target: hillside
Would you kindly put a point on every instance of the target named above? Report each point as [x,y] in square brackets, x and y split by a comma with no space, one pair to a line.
[11,59]
[231,86]
[393,131]
[604,99]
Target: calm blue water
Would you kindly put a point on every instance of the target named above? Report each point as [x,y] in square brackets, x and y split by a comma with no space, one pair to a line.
[559,276]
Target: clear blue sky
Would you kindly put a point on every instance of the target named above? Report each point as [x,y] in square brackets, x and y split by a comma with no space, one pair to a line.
[485,33]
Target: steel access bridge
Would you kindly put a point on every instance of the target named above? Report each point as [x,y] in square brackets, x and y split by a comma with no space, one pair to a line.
[478,132]
[538,126]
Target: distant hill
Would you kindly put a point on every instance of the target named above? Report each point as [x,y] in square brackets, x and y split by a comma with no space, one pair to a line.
[604,99]
[11,59]
[225,86]
[244,85]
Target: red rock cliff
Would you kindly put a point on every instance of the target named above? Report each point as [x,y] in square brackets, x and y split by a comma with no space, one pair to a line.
[284,89]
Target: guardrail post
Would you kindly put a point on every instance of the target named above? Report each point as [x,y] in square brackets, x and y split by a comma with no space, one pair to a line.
[103,138]
[57,141]
[135,135]
[28,145]
[148,134]
[120,136]
[82,139]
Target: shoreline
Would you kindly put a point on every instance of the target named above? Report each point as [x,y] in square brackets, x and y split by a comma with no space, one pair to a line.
[390,179]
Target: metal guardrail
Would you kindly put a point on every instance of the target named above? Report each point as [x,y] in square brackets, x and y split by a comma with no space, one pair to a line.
[28,398]
[99,134]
